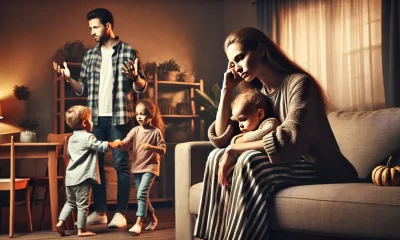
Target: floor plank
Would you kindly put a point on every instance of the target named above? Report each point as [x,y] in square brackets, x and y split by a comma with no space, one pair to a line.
[165,229]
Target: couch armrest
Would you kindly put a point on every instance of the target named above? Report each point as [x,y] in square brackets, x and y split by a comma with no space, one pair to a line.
[190,161]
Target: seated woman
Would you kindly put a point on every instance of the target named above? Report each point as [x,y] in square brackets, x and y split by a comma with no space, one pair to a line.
[301,150]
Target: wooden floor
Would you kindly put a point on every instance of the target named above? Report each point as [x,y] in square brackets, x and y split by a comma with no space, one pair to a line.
[164,231]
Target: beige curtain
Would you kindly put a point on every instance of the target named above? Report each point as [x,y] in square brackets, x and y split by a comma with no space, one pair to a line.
[339,42]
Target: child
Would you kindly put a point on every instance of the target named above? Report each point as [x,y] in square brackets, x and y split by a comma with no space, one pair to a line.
[250,110]
[82,169]
[148,146]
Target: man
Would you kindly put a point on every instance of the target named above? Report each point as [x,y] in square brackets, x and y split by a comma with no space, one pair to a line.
[111,74]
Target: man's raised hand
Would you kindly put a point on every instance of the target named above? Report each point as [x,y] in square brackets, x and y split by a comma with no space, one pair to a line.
[130,69]
[64,72]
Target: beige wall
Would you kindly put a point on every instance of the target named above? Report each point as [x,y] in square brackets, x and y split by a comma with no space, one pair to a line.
[191,31]
[238,14]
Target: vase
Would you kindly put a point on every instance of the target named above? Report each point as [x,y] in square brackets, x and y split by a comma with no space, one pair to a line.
[27,136]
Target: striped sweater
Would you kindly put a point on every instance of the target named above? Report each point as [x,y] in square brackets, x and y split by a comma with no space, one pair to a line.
[304,133]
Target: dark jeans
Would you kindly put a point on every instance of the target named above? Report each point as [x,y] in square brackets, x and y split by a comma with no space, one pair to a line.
[106,132]
[143,182]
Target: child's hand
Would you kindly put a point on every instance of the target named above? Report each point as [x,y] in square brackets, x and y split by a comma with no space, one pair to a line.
[115,144]
[145,146]
[118,143]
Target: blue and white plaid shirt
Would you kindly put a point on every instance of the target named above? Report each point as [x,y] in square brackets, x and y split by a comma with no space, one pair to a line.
[123,95]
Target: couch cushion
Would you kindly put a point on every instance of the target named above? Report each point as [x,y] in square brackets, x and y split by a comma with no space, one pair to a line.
[354,209]
[366,138]
[195,192]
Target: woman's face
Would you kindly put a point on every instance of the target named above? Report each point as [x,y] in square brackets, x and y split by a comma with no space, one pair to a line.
[243,61]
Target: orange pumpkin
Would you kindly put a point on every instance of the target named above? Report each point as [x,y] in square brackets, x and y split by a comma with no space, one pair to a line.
[386,175]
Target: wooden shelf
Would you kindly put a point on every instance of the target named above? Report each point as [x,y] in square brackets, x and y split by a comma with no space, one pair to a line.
[73,98]
[74,64]
[195,84]
[179,116]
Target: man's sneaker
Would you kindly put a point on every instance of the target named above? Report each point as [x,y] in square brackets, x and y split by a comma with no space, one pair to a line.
[118,221]
[95,218]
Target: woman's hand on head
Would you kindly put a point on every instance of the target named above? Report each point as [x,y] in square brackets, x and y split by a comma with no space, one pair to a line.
[231,79]
[225,164]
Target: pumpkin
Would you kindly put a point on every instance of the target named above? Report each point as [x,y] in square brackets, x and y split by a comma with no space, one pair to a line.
[386,175]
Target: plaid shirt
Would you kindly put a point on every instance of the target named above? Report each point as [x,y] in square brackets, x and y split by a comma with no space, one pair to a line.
[123,95]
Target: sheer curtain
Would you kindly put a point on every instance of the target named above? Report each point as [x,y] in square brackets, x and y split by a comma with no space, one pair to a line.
[337,41]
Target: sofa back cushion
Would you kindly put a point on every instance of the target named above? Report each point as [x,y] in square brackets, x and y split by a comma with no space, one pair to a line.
[366,138]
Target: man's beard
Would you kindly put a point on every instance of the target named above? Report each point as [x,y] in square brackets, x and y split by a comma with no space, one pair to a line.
[102,38]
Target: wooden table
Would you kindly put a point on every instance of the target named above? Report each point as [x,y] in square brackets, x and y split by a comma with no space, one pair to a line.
[38,150]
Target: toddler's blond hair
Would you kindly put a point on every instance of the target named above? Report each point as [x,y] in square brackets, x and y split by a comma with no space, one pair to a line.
[75,116]
[251,100]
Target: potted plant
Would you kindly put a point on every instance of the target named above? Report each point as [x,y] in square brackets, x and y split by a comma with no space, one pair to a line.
[29,125]
[209,105]
[22,93]
[70,52]
[168,70]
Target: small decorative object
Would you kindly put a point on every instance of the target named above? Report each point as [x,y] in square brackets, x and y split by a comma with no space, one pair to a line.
[168,70]
[70,52]
[386,175]
[186,77]
[30,126]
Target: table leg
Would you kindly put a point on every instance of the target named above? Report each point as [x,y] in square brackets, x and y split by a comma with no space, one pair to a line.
[52,167]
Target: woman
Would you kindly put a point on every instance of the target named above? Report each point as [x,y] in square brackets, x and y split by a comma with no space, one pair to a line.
[302,150]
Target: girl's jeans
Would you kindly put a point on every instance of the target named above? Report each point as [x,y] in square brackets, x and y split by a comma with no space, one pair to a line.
[143,182]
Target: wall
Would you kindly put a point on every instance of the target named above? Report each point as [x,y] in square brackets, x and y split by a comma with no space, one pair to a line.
[238,14]
[33,30]
[190,31]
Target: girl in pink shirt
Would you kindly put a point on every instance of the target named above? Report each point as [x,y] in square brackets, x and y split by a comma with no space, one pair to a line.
[148,146]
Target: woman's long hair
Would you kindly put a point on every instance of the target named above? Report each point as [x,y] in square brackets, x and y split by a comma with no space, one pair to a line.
[251,38]
[154,114]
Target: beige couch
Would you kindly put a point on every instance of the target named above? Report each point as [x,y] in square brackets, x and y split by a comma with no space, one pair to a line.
[322,211]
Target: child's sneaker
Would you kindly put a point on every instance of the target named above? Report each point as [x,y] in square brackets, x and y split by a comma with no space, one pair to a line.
[95,218]
[136,229]
[118,221]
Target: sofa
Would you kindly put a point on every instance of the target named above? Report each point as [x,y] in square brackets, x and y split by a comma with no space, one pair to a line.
[322,211]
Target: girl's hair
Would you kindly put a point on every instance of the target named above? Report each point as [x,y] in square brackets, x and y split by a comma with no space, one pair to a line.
[252,99]
[154,113]
[251,38]
[75,116]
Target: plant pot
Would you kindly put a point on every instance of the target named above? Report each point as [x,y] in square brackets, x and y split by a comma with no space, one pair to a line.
[27,136]
[167,76]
